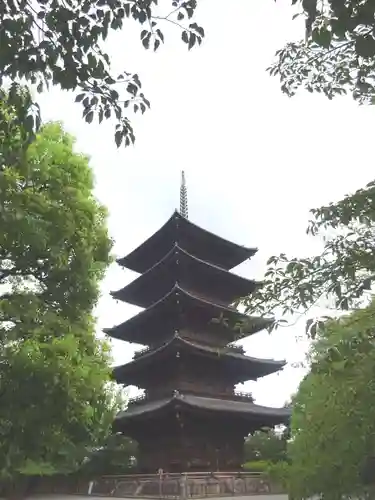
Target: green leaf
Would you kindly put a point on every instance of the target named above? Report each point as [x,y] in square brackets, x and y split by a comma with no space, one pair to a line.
[146,41]
[156,44]
[322,37]
[365,46]
[192,40]
[118,138]
[89,116]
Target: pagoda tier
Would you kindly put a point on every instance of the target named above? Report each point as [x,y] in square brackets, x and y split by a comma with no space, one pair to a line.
[192,238]
[179,310]
[192,433]
[159,370]
[192,274]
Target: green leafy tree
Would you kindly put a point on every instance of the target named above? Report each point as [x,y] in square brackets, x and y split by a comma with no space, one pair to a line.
[341,276]
[60,42]
[333,429]
[56,394]
[338,53]
[117,456]
[267,446]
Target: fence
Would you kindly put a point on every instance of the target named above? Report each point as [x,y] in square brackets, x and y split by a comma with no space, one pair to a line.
[181,486]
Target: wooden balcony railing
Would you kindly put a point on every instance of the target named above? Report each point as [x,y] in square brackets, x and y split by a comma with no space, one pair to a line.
[234,396]
[228,348]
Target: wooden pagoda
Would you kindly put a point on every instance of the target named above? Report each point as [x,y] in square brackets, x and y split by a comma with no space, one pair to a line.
[190,417]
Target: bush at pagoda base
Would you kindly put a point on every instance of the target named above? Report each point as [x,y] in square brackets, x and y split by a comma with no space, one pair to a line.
[117,456]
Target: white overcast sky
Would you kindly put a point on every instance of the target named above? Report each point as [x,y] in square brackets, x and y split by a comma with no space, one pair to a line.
[255,161]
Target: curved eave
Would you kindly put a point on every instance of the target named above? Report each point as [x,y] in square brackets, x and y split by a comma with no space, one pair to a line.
[191,273]
[247,367]
[251,411]
[194,239]
[141,326]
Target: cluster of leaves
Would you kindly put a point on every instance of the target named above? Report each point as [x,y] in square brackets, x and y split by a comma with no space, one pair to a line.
[19,121]
[343,273]
[61,42]
[338,54]
[267,446]
[116,456]
[333,429]
[55,390]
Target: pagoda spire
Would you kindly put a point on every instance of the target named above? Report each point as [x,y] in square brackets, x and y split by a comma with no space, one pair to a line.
[183,197]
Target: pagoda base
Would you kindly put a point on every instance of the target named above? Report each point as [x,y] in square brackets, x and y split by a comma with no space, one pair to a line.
[190,433]
[178,441]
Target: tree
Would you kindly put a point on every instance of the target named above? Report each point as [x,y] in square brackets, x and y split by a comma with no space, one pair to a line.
[333,429]
[116,456]
[341,276]
[267,446]
[338,54]
[61,42]
[56,394]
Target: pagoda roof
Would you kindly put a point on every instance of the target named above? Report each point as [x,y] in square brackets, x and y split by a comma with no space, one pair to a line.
[191,273]
[192,238]
[273,416]
[178,308]
[245,367]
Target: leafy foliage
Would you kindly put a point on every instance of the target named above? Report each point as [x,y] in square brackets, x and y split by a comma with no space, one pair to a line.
[55,390]
[279,474]
[54,242]
[19,120]
[116,456]
[333,433]
[338,55]
[61,42]
[54,400]
[256,466]
[343,273]
[265,446]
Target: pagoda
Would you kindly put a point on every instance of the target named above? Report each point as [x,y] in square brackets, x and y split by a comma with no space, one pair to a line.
[190,418]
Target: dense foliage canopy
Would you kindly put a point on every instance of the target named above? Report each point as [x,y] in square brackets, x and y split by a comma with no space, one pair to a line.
[62,42]
[333,429]
[118,455]
[268,446]
[54,401]
[338,54]
[56,397]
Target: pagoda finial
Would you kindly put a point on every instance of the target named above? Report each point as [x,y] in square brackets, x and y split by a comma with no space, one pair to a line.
[183,197]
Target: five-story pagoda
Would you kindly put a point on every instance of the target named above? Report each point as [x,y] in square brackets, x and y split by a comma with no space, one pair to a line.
[190,417]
